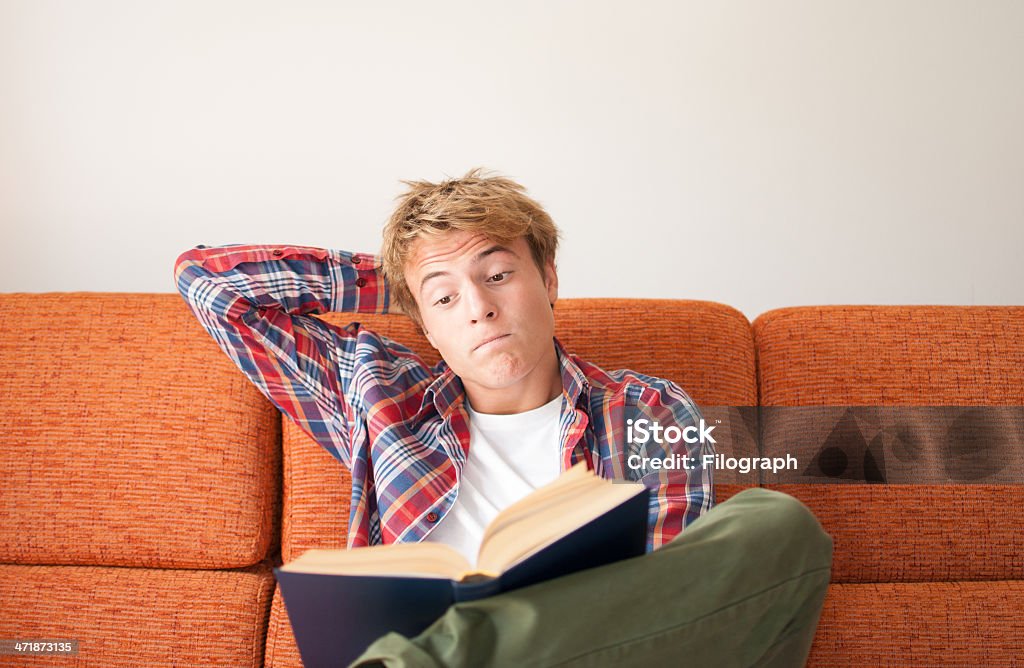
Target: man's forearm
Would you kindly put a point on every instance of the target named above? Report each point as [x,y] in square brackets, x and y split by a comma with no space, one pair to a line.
[299,280]
[255,302]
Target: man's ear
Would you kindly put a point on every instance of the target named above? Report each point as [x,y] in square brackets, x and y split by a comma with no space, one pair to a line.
[551,281]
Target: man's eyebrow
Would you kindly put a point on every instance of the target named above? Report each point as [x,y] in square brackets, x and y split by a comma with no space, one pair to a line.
[497,248]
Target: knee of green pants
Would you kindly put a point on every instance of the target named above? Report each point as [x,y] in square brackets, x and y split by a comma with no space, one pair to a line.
[782,527]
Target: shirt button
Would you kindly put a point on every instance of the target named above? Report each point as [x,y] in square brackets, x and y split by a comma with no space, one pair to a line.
[356,259]
[360,282]
[431,516]
[278,253]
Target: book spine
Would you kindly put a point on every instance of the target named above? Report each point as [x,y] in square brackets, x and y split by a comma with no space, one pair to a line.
[463,591]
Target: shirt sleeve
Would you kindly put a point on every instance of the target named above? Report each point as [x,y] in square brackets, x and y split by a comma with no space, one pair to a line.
[258,303]
[678,496]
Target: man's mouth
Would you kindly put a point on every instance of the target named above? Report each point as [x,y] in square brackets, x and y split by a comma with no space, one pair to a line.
[490,340]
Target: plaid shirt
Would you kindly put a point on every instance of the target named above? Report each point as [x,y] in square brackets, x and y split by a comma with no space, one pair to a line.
[399,425]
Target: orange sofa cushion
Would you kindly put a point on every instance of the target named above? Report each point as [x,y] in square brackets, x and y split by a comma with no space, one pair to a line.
[130,438]
[920,624]
[138,616]
[891,356]
[900,356]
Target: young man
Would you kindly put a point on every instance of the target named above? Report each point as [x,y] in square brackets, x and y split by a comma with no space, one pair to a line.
[436,452]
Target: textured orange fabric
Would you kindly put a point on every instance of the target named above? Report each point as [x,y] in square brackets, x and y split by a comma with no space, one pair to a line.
[900,356]
[704,347]
[282,651]
[137,616]
[921,625]
[129,438]
[891,355]
[317,491]
[919,533]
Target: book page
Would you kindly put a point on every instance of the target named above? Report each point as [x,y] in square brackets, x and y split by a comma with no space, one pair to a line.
[571,482]
[532,527]
[530,524]
[400,559]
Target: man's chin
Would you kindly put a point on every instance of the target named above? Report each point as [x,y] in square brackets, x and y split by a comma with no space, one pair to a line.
[500,374]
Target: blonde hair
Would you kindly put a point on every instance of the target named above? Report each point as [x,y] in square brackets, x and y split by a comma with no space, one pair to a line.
[494,206]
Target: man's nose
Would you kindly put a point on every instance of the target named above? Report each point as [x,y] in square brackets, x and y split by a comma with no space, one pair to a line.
[481,306]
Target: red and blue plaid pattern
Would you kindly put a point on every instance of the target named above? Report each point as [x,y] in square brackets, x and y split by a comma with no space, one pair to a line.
[399,425]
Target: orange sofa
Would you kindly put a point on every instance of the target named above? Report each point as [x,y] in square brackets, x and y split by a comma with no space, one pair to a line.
[149,488]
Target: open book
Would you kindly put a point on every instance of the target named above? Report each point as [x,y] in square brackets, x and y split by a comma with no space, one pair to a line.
[339,601]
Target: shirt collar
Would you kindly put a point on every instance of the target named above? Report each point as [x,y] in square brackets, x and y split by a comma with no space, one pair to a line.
[574,381]
[446,391]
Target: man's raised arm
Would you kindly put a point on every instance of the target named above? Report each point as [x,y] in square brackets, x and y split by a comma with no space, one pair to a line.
[256,302]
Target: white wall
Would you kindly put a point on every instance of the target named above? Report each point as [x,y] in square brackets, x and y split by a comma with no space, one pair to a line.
[760,154]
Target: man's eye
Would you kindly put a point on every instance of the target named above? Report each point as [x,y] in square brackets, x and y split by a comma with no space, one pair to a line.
[443,300]
[497,277]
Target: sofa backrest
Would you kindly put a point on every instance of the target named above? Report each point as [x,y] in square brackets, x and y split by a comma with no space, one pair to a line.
[927,365]
[132,440]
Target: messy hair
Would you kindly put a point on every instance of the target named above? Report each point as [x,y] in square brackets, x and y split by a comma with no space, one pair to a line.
[494,206]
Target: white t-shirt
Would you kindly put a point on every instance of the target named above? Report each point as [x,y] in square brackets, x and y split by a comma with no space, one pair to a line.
[509,457]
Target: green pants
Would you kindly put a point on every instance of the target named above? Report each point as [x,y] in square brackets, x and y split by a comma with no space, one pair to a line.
[743,585]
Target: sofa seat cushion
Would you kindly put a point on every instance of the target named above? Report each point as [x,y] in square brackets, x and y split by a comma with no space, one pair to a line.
[921,624]
[138,616]
[919,533]
[282,650]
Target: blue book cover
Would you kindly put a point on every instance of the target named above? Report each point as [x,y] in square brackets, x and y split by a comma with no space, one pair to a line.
[335,617]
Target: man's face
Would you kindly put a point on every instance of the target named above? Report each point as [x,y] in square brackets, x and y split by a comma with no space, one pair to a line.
[486,308]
